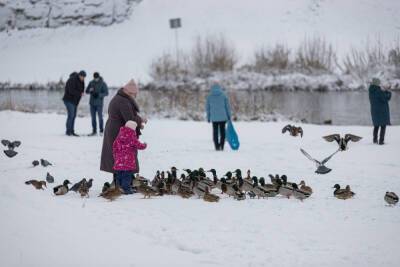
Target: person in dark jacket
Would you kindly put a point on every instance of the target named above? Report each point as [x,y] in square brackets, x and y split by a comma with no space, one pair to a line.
[97,89]
[380,113]
[74,89]
[218,112]
[122,108]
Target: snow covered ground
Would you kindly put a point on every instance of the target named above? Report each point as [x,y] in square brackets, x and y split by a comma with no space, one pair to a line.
[126,50]
[39,229]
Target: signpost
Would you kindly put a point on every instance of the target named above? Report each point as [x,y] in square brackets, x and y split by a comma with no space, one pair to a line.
[176,24]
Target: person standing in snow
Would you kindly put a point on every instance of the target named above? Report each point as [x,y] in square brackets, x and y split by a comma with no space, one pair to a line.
[125,153]
[122,108]
[74,89]
[97,89]
[218,112]
[380,113]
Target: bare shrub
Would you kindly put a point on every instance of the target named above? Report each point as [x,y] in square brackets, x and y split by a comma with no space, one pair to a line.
[394,54]
[167,68]
[373,59]
[275,58]
[213,53]
[315,54]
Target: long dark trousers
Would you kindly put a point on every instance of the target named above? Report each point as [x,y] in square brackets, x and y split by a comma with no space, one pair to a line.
[381,135]
[219,134]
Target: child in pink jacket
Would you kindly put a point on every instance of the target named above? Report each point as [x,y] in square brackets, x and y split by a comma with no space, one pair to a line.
[125,149]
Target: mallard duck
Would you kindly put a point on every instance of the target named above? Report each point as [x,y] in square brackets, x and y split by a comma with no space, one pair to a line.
[321,168]
[270,189]
[216,181]
[244,184]
[391,198]
[229,178]
[293,130]
[305,188]
[199,190]
[210,197]
[274,179]
[146,190]
[248,177]
[284,189]
[343,193]
[37,184]
[106,186]
[112,193]
[61,189]
[174,172]
[232,190]
[285,182]
[299,194]
[342,141]
[260,192]
[85,187]
[76,186]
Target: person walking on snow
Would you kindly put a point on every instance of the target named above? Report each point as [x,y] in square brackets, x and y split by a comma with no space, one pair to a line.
[74,89]
[97,89]
[218,112]
[380,112]
[125,153]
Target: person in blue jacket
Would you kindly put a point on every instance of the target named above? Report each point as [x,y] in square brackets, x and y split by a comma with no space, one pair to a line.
[97,89]
[218,112]
[380,113]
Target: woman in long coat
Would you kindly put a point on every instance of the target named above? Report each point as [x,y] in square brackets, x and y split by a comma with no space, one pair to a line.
[379,110]
[121,109]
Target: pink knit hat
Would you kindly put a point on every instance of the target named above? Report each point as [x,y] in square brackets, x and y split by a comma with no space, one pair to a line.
[131,87]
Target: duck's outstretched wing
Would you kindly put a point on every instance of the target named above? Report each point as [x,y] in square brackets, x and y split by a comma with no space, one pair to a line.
[328,158]
[286,128]
[10,153]
[308,156]
[332,137]
[16,143]
[5,142]
[352,137]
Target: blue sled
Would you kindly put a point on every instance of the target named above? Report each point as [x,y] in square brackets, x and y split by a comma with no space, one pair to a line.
[232,137]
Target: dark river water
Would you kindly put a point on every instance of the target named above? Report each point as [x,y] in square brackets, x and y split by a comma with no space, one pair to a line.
[342,108]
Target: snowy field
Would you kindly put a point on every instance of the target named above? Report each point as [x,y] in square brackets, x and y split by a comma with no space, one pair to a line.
[39,229]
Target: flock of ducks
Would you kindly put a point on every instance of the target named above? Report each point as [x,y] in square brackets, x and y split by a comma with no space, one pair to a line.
[198,184]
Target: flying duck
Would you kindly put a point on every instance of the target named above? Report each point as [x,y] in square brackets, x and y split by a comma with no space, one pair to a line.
[321,168]
[293,130]
[342,141]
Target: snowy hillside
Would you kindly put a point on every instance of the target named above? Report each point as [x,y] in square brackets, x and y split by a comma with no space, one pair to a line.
[126,50]
[39,229]
[25,14]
